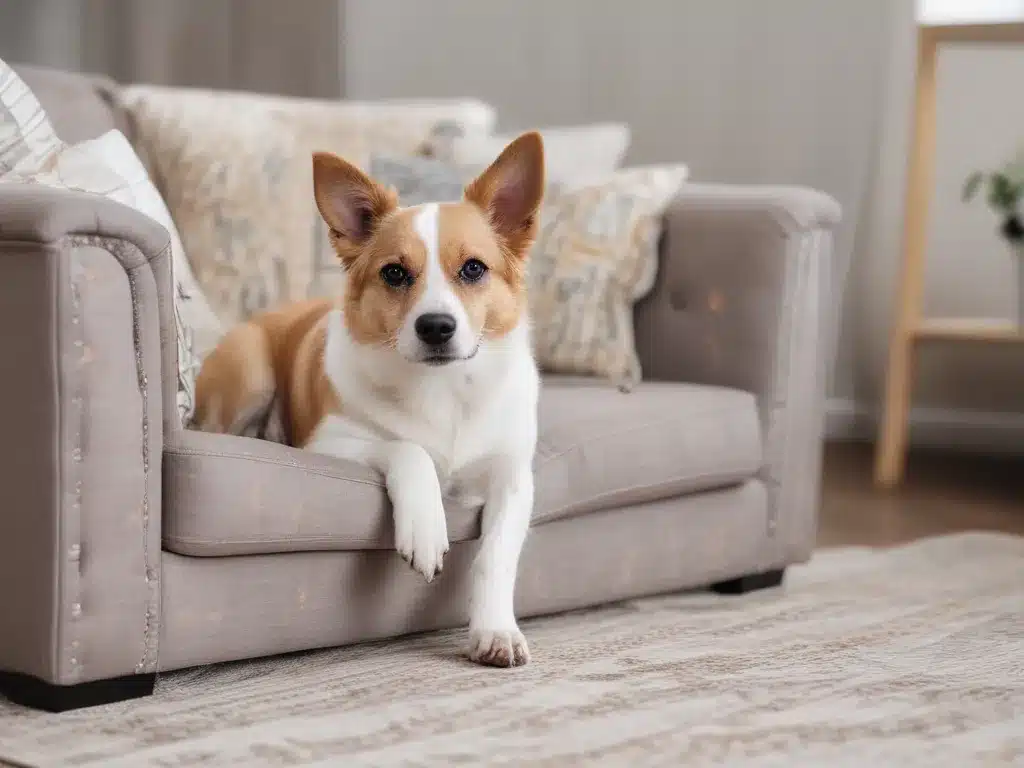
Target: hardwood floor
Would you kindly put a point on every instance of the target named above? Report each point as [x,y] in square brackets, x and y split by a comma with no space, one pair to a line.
[941,494]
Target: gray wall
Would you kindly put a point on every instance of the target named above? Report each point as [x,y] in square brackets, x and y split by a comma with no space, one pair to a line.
[795,91]
[967,393]
[261,45]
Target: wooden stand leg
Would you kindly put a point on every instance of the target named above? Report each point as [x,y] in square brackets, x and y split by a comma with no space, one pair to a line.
[892,446]
[892,441]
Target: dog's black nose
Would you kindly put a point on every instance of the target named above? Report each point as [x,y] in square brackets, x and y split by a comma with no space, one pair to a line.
[435,328]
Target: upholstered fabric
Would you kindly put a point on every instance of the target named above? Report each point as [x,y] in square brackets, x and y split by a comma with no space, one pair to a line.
[79,106]
[108,166]
[598,449]
[744,299]
[218,608]
[236,172]
[89,389]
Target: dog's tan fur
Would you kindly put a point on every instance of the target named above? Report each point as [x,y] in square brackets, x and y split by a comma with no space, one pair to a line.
[274,363]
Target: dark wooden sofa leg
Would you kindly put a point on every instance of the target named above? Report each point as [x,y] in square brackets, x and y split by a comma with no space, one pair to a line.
[749,583]
[33,692]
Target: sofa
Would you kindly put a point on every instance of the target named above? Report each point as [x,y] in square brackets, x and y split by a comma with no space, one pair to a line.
[130,546]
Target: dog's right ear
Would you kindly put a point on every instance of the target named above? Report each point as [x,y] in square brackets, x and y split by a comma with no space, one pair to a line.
[349,201]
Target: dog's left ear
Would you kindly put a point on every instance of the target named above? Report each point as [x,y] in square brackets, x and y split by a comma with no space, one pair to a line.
[510,191]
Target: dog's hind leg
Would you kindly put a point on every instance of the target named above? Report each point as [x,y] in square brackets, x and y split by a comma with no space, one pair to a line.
[236,387]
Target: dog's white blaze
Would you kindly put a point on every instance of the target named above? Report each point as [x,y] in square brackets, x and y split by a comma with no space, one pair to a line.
[437,295]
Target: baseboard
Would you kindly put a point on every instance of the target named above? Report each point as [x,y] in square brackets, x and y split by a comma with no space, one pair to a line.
[963,430]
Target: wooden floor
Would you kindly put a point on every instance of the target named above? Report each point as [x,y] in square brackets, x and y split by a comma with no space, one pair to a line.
[941,494]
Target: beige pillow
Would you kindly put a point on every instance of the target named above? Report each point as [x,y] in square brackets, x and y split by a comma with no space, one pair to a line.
[596,255]
[236,170]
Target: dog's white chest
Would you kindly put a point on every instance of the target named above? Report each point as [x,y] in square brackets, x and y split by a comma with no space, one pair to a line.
[469,418]
[454,421]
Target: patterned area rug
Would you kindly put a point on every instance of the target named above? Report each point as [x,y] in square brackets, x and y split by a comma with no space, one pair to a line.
[912,656]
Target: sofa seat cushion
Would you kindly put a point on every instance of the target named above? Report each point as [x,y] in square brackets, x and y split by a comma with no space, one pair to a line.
[598,448]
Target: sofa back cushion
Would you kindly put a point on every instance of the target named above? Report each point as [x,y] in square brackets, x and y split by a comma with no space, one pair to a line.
[79,106]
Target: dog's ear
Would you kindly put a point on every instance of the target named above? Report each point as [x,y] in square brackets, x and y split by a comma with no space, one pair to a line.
[510,191]
[349,201]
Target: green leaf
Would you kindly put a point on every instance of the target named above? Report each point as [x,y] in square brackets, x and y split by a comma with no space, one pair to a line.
[971,185]
[1003,193]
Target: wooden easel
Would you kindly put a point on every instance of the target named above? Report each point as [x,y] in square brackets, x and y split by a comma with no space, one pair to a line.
[910,328]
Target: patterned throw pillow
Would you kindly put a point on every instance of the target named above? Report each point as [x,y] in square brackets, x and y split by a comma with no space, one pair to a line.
[596,255]
[419,180]
[236,171]
[26,136]
[106,166]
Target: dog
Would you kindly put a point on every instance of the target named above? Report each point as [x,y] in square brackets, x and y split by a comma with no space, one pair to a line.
[422,368]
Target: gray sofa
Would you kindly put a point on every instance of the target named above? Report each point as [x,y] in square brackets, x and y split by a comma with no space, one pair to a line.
[129,546]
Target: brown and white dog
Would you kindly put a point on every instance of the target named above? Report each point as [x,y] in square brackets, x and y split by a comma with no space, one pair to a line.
[421,369]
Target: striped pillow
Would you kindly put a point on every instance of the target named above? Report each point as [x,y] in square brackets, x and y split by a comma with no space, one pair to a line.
[26,137]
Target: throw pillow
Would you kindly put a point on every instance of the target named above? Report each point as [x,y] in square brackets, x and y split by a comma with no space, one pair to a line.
[419,180]
[105,166]
[236,171]
[26,136]
[596,255]
[575,152]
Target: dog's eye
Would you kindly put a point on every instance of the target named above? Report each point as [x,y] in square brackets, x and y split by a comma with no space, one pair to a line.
[472,270]
[394,275]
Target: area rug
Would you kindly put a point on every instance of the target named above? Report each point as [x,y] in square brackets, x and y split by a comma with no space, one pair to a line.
[910,656]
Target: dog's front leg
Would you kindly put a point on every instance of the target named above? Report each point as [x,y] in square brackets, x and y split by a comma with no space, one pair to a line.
[494,636]
[421,532]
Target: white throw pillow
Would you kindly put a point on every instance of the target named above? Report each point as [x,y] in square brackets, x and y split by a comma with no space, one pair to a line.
[573,152]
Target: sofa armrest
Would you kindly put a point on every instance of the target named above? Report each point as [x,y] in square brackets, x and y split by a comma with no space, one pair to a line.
[747,297]
[88,362]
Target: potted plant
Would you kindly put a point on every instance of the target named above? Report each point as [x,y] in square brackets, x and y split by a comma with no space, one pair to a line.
[1004,193]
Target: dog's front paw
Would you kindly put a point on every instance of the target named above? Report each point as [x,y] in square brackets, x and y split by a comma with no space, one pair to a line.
[421,536]
[498,648]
